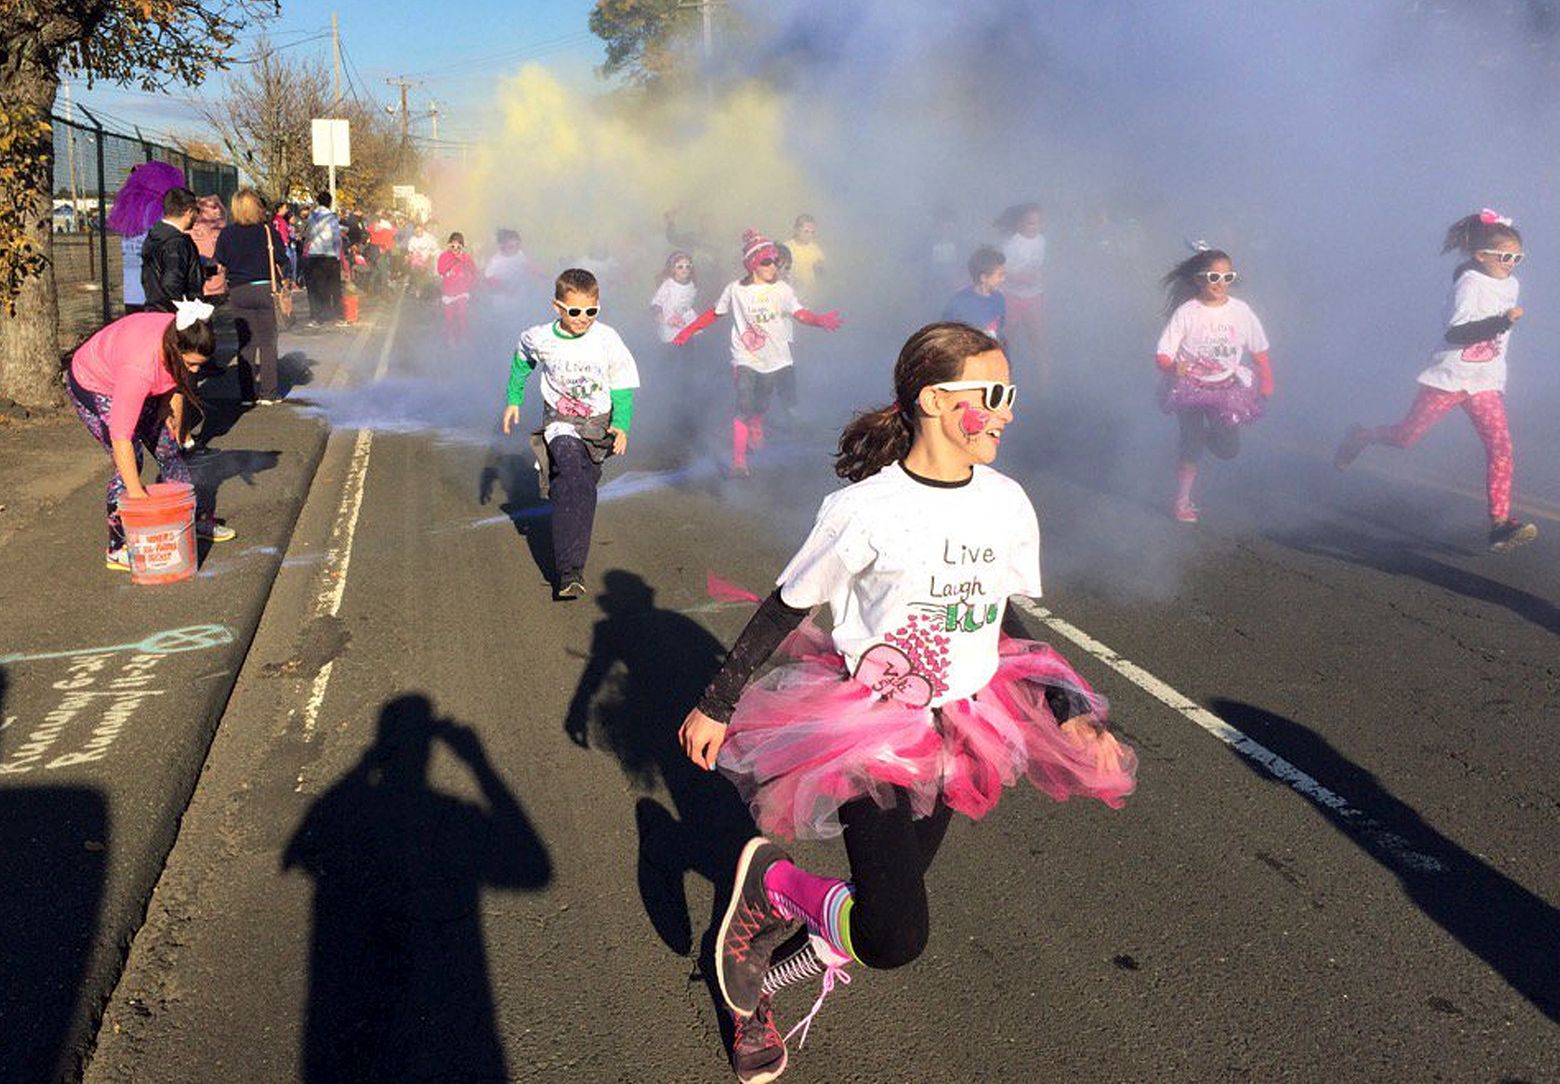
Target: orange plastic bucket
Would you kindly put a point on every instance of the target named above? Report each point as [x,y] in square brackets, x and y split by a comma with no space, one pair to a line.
[160,532]
[349,308]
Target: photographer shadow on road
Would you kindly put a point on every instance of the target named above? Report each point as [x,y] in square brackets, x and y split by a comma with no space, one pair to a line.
[1511,929]
[399,986]
[648,666]
[54,841]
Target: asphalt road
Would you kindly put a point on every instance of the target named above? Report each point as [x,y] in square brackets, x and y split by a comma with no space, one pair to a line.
[444,832]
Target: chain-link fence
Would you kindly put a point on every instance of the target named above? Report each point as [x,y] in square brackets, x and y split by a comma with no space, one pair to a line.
[90,163]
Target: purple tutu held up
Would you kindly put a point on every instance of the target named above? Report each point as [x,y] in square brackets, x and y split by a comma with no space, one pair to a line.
[1230,402]
[807,738]
[138,205]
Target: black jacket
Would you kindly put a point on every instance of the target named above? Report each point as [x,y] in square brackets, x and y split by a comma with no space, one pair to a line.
[170,268]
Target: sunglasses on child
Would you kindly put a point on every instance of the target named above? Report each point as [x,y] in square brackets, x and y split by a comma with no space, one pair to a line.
[1212,277]
[574,312]
[1513,258]
[998,396]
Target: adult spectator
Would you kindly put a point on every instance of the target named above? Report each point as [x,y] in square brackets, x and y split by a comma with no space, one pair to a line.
[137,207]
[323,242]
[170,262]
[251,253]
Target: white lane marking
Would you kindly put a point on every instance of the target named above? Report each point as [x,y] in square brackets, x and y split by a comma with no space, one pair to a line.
[338,558]
[338,555]
[1396,848]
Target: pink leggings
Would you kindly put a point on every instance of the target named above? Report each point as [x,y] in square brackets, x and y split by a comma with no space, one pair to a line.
[456,327]
[1487,411]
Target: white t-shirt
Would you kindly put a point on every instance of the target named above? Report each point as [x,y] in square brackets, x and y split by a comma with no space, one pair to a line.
[509,272]
[578,375]
[1479,366]
[130,248]
[920,569]
[1025,260]
[1212,340]
[675,300]
[759,337]
[422,250]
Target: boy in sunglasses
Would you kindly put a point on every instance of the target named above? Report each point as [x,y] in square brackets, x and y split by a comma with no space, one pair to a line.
[1202,353]
[760,342]
[587,382]
[1469,367]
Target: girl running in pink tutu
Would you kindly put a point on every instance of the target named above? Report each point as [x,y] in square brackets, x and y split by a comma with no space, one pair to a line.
[1202,352]
[914,708]
[1469,367]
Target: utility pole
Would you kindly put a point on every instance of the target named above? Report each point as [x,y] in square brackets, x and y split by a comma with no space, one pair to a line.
[70,137]
[335,95]
[406,117]
[707,14]
[433,116]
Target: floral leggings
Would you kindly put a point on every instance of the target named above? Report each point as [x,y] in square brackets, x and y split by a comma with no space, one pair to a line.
[93,409]
[1487,411]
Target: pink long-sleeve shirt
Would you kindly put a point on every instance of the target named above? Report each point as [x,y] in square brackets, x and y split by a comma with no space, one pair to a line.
[124,362]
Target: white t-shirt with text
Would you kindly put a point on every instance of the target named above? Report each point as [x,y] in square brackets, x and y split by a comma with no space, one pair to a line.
[578,374]
[1212,341]
[1025,263]
[760,339]
[920,573]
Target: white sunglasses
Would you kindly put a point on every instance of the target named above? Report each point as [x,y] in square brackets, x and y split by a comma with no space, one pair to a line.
[1513,258]
[1211,277]
[998,396]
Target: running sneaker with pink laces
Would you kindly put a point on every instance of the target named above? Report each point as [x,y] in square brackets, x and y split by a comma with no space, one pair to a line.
[751,930]
[758,1051]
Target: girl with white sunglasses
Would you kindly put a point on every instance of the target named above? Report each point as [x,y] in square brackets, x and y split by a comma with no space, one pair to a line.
[1202,353]
[1469,367]
[913,708]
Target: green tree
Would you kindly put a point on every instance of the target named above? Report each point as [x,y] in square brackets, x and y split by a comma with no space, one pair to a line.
[645,39]
[150,43]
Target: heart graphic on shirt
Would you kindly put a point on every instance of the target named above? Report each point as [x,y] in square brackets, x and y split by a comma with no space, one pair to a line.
[570,407]
[753,340]
[887,671]
[1488,350]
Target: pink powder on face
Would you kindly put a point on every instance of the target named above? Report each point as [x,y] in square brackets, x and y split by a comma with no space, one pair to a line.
[972,419]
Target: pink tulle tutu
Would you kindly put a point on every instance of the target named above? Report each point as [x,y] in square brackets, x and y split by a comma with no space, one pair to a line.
[1231,403]
[806,738]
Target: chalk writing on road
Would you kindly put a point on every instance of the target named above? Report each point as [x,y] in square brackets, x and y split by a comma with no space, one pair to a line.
[102,693]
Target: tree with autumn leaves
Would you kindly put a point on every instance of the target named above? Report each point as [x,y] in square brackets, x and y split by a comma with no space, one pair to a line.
[149,43]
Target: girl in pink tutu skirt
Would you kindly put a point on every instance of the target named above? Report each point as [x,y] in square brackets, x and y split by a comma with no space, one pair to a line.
[1202,354]
[915,707]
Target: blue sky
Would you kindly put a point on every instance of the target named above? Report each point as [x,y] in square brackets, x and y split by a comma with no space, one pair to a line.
[452,52]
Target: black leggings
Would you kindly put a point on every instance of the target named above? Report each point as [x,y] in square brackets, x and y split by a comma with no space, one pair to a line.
[890,852]
[1199,430]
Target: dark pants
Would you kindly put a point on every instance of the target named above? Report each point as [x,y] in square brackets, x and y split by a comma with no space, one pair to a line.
[572,480]
[1199,431]
[322,276]
[754,389]
[254,317]
[890,852]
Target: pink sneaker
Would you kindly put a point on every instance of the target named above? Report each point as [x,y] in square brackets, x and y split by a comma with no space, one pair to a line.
[1185,512]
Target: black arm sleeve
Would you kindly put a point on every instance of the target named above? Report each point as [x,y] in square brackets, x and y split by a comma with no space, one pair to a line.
[773,622]
[1478,331]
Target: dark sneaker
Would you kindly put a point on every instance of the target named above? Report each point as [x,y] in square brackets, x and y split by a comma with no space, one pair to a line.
[750,931]
[1511,534]
[571,585]
[1354,442]
[758,1050]
[117,560]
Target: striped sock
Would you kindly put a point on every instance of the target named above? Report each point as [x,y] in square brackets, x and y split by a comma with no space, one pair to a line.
[837,906]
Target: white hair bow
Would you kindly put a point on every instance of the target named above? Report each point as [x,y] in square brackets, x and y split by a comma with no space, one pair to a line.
[188,312]
[1198,245]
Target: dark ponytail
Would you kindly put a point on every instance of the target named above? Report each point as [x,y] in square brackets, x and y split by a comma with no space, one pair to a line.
[1181,283]
[1472,232]
[198,338]
[933,355]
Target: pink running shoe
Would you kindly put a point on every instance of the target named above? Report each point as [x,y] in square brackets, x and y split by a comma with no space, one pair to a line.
[1185,512]
[758,1051]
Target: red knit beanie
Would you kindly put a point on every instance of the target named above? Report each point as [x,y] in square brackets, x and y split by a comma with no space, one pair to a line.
[755,247]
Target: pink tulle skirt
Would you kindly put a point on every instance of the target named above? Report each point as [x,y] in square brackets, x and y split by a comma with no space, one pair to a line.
[806,739]
[1230,403]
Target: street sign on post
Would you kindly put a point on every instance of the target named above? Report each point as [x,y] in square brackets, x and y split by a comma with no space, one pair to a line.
[332,147]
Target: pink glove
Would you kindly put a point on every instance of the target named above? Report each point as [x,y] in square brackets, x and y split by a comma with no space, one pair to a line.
[704,320]
[829,321]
